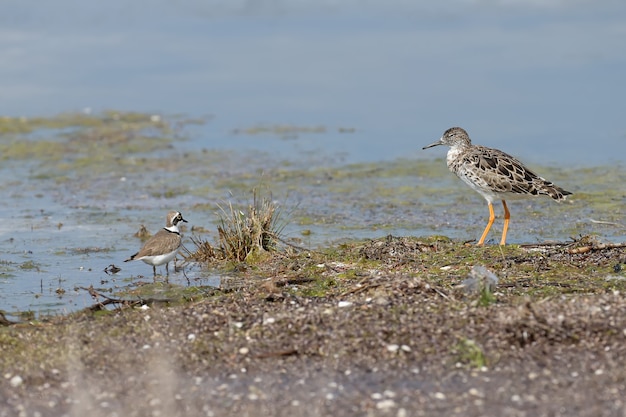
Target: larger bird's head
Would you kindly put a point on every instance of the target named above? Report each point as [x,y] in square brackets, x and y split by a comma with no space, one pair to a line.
[453,137]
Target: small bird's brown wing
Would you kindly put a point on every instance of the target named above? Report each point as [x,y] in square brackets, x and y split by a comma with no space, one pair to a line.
[162,242]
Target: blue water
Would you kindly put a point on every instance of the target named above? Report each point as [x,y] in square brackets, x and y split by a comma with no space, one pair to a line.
[543,80]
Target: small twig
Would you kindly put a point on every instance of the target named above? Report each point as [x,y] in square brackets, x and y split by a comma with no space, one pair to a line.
[581,249]
[441,293]
[101,304]
[4,321]
[95,294]
[288,352]
[543,244]
[502,254]
[125,303]
[597,246]
[186,277]
[292,281]
[607,223]
[300,248]
[357,290]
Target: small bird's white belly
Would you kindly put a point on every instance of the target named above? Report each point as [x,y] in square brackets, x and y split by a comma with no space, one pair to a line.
[157,260]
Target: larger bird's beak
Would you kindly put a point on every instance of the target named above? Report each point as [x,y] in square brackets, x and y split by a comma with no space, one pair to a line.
[439,142]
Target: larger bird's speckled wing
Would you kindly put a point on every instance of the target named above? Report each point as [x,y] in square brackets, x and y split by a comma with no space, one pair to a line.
[492,170]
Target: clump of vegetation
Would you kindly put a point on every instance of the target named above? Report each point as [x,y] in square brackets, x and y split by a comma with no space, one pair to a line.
[244,235]
[470,353]
[204,253]
[486,297]
[483,282]
[143,233]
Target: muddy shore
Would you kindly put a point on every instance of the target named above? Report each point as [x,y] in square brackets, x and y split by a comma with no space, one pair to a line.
[376,327]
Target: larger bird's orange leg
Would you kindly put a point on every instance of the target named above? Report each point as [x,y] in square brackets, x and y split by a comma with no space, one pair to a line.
[507,216]
[492,217]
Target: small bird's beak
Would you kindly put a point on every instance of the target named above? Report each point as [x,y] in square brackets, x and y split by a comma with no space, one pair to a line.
[439,142]
[183,219]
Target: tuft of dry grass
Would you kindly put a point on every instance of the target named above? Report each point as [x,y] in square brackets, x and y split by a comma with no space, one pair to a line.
[243,235]
[205,252]
[255,231]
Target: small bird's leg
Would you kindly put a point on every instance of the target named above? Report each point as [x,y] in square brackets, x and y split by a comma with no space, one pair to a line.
[507,216]
[492,217]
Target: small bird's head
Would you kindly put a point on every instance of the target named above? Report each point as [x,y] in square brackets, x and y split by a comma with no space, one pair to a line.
[174,217]
[178,218]
[455,136]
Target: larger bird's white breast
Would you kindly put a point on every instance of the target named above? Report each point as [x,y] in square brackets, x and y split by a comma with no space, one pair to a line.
[468,176]
[453,154]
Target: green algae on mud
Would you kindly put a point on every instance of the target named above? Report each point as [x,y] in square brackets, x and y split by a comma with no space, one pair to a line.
[405,195]
[286,131]
[396,196]
[541,270]
[283,131]
[81,141]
